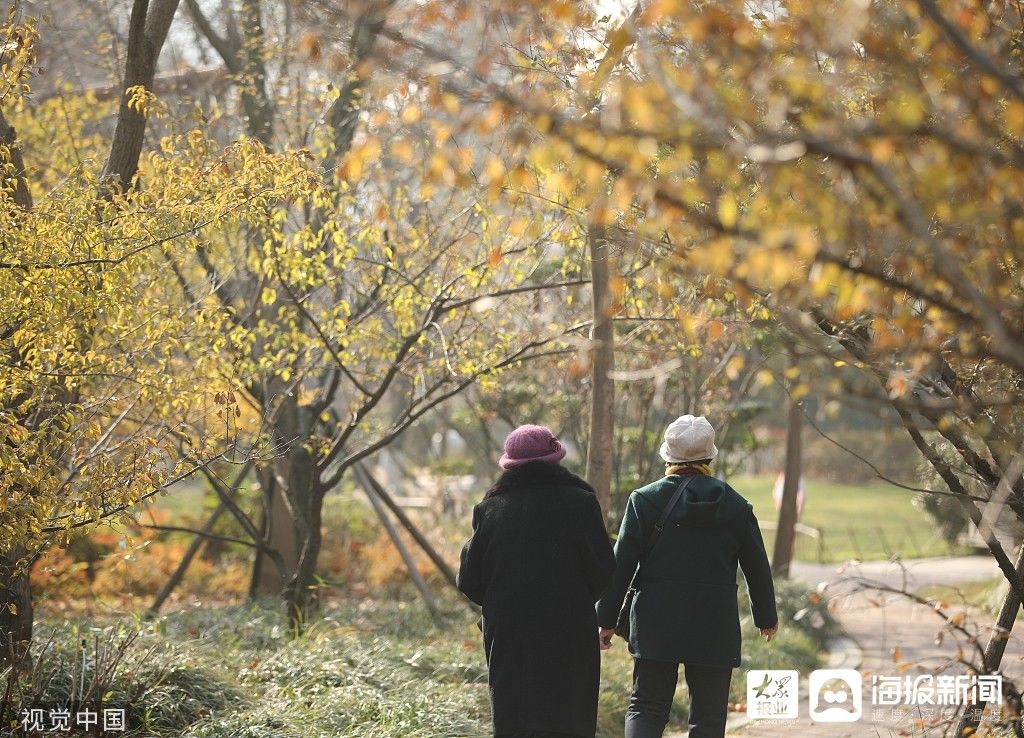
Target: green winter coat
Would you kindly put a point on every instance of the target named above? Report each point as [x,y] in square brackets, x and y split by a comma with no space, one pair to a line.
[686,609]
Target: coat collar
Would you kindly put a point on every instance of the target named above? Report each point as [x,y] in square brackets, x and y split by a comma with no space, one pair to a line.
[707,501]
[537,472]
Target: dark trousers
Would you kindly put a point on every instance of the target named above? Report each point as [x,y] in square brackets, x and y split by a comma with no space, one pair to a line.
[654,685]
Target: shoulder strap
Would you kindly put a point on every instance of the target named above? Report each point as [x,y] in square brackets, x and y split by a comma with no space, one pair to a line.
[660,525]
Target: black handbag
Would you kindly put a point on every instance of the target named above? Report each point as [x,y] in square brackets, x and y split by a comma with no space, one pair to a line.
[622,624]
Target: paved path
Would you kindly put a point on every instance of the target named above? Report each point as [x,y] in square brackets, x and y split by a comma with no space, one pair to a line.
[879,623]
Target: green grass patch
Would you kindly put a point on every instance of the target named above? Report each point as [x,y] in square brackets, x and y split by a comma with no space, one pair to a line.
[985,594]
[871,521]
[182,501]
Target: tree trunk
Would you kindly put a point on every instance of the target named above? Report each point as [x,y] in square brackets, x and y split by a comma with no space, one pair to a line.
[280,535]
[600,445]
[147,30]
[300,490]
[287,506]
[15,606]
[14,176]
[255,101]
[301,598]
[785,535]
[995,648]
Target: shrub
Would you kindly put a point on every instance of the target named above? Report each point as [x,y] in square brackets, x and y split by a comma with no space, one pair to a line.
[164,687]
[805,610]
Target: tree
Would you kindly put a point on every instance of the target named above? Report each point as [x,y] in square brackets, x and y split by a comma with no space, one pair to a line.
[94,407]
[345,319]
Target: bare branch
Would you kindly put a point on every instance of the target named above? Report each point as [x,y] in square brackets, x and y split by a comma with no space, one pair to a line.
[227,50]
[972,52]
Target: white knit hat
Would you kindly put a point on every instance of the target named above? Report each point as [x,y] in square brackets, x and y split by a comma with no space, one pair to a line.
[689,438]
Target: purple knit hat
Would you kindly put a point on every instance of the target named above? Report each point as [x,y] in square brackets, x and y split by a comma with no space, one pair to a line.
[531,443]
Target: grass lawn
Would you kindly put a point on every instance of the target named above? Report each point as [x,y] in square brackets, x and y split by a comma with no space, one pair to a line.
[986,595]
[183,499]
[871,521]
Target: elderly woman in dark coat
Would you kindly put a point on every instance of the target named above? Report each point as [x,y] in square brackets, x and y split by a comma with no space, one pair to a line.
[685,610]
[538,560]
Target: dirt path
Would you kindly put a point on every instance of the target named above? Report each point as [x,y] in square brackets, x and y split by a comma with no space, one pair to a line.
[879,624]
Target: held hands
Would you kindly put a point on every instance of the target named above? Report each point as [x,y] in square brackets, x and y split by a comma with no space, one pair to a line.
[604,635]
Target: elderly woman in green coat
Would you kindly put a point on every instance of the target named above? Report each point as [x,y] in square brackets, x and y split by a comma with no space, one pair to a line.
[685,609]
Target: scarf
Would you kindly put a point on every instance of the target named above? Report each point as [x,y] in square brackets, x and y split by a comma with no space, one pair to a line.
[688,468]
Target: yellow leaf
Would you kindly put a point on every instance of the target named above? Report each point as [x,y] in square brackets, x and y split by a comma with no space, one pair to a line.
[411,114]
[370,149]
[728,211]
[402,150]
[907,110]
[734,367]
[494,168]
[882,150]
[660,9]
[450,102]
[805,243]
[518,226]
[562,10]
[1014,117]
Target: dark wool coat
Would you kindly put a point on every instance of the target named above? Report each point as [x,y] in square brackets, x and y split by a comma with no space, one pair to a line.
[538,560]
[686,609]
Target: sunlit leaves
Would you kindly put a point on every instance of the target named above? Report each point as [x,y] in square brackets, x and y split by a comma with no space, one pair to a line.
[140,99]
[97,402]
